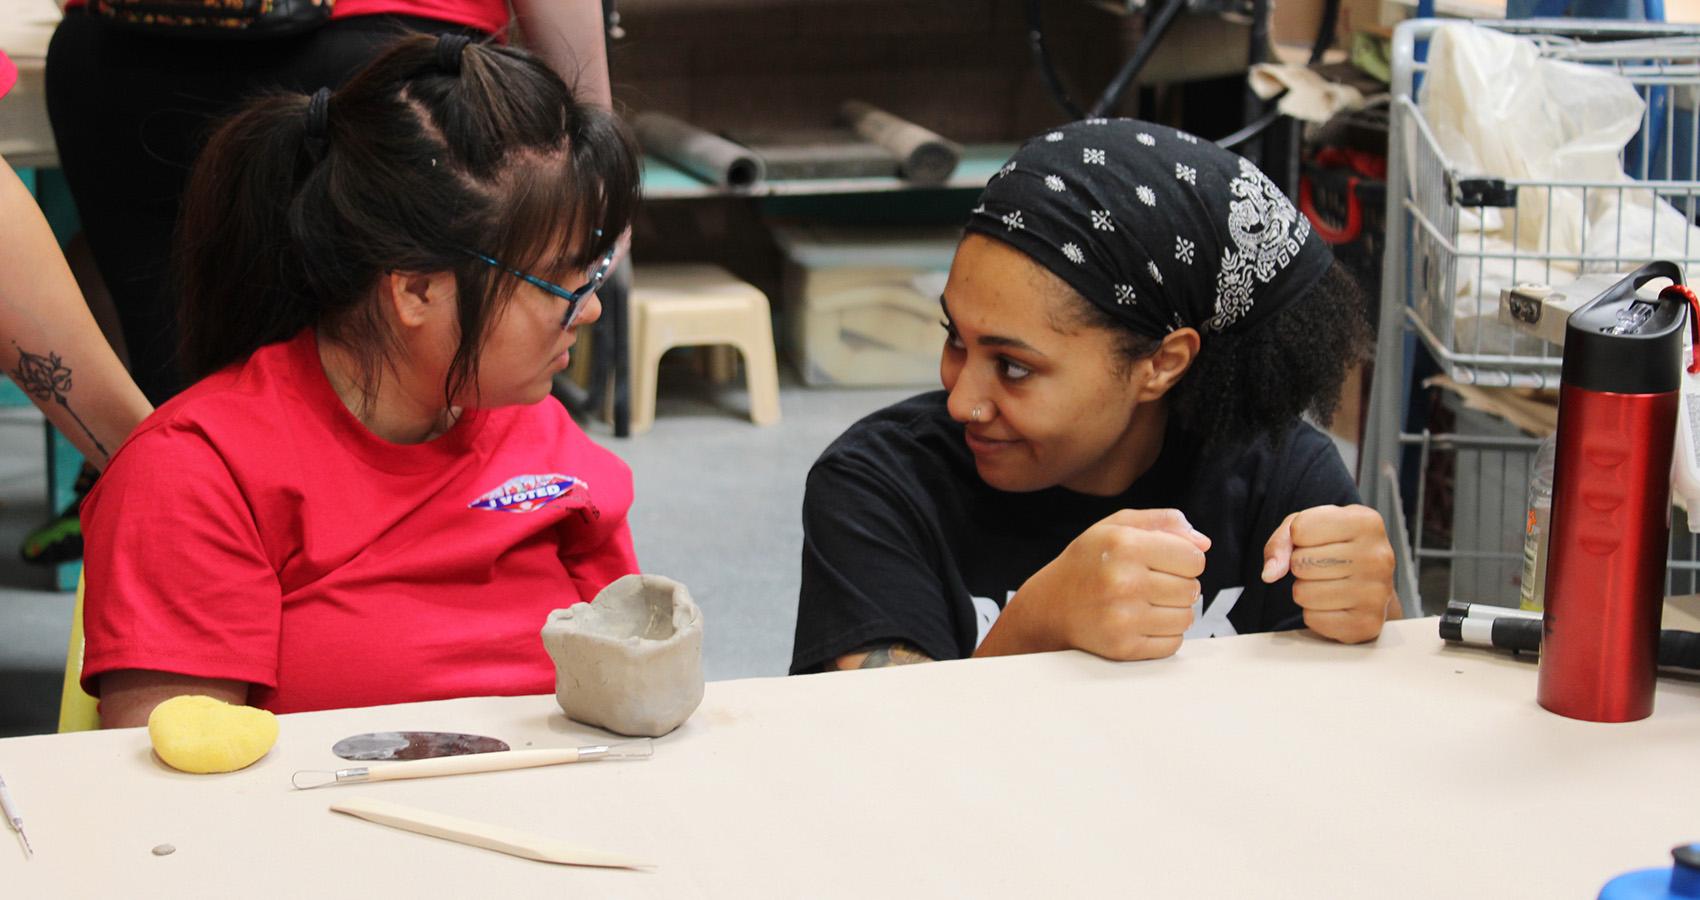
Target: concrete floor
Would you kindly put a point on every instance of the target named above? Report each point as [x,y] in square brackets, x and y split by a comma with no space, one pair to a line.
[35,620]
[718,508]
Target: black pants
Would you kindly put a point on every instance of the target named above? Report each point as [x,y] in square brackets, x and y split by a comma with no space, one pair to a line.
[130,112]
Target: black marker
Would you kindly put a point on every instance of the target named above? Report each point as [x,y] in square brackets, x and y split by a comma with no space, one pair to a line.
[1520,632]
[1486,611]
[1514,633]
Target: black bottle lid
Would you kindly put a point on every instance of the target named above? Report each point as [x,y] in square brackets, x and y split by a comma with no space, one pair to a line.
[1685,871]
[1451,627]
[1618,343]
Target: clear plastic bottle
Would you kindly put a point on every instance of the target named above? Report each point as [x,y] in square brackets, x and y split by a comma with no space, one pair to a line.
[1538,524]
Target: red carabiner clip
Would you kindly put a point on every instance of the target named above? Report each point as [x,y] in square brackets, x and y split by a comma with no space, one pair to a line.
[1686,293]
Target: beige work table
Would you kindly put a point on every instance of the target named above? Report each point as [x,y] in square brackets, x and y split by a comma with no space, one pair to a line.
[1260,766]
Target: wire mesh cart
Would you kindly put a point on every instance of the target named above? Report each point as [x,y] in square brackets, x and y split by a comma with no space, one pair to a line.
[1441,281]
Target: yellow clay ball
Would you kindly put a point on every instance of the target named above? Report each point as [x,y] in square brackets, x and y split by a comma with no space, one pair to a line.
[200,734]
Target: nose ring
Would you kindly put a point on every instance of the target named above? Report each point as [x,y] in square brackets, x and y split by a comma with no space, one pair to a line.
[976,413]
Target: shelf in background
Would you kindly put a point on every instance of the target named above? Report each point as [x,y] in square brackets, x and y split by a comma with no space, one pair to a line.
[662,181]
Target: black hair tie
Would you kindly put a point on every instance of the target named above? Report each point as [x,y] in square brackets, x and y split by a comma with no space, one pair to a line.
[318,122]
[450,47]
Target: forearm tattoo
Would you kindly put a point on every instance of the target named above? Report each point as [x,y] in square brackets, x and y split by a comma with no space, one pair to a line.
[896,654]
[48,380]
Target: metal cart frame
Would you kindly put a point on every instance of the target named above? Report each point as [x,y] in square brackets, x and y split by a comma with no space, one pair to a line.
[1428,254]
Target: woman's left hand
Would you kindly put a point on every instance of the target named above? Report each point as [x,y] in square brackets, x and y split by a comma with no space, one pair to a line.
[1342,567]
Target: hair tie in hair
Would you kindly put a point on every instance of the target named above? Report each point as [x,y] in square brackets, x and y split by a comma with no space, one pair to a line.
[318,121]
[449,50]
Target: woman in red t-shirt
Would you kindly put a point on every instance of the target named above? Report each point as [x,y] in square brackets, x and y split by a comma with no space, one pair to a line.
[370,497]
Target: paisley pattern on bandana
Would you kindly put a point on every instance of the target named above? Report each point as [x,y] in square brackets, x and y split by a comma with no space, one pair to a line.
[1161,229]
[1267,231]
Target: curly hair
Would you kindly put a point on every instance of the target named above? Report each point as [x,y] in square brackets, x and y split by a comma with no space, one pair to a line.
[1244,386]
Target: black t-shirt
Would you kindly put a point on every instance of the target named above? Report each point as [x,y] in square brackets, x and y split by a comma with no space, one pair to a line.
[902,540]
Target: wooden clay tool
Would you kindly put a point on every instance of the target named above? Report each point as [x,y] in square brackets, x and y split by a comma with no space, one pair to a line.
[480,834]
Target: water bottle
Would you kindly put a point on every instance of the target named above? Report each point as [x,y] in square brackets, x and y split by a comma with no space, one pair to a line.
[1605,581]
[1538,526]
[1679,882]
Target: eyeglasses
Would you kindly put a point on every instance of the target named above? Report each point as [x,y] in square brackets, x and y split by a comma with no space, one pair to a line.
[575,299]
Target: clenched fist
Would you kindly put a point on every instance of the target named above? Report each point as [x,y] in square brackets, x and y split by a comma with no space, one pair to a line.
[1123,589]
[1342,567]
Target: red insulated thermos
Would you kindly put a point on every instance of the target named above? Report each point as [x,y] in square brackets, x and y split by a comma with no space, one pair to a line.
[1611,502]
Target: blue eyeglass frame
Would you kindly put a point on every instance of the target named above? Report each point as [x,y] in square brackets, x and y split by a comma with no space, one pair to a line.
[575,299]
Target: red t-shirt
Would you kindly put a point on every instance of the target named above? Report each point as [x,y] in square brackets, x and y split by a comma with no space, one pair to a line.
[489,16]
[253,529]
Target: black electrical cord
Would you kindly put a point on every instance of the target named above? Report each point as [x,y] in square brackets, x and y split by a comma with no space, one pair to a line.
[1041,56]
[1324,40]
[1325,30]
[1155,28]
[1154,33]
[1256,127]
[1255,111]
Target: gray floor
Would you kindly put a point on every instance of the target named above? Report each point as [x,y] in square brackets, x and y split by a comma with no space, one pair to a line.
[717,508]
[34,620]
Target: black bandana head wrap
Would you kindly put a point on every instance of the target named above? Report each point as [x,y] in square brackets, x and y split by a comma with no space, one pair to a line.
[1153,225]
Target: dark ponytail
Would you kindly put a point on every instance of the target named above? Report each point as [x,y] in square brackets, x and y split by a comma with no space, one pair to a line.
[435,148]
[240,277]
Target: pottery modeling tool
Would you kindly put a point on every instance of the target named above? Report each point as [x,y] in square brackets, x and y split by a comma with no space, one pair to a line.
[10,811]
[478,762]
[385,745]
[480,834]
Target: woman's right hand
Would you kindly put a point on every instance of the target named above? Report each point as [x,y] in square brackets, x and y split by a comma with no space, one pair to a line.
[1123,590]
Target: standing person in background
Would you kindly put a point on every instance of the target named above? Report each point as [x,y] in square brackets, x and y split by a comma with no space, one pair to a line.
[52,347]
[131,108]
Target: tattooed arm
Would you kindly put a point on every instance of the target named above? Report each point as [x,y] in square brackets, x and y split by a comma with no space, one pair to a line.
[898,654]
[49,342]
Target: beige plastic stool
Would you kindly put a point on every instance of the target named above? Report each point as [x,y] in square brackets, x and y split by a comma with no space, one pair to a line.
[693,306]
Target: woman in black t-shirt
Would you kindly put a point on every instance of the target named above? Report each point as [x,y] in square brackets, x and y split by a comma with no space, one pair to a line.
[1135,322]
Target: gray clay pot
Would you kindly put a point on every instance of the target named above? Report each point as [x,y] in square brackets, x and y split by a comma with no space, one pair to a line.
[629,661]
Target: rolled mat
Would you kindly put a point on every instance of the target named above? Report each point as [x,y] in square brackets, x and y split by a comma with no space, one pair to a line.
[703,154]
[925,158]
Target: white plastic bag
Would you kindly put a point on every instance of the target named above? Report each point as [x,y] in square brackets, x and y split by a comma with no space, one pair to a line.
[1639,227]
[1498,109]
